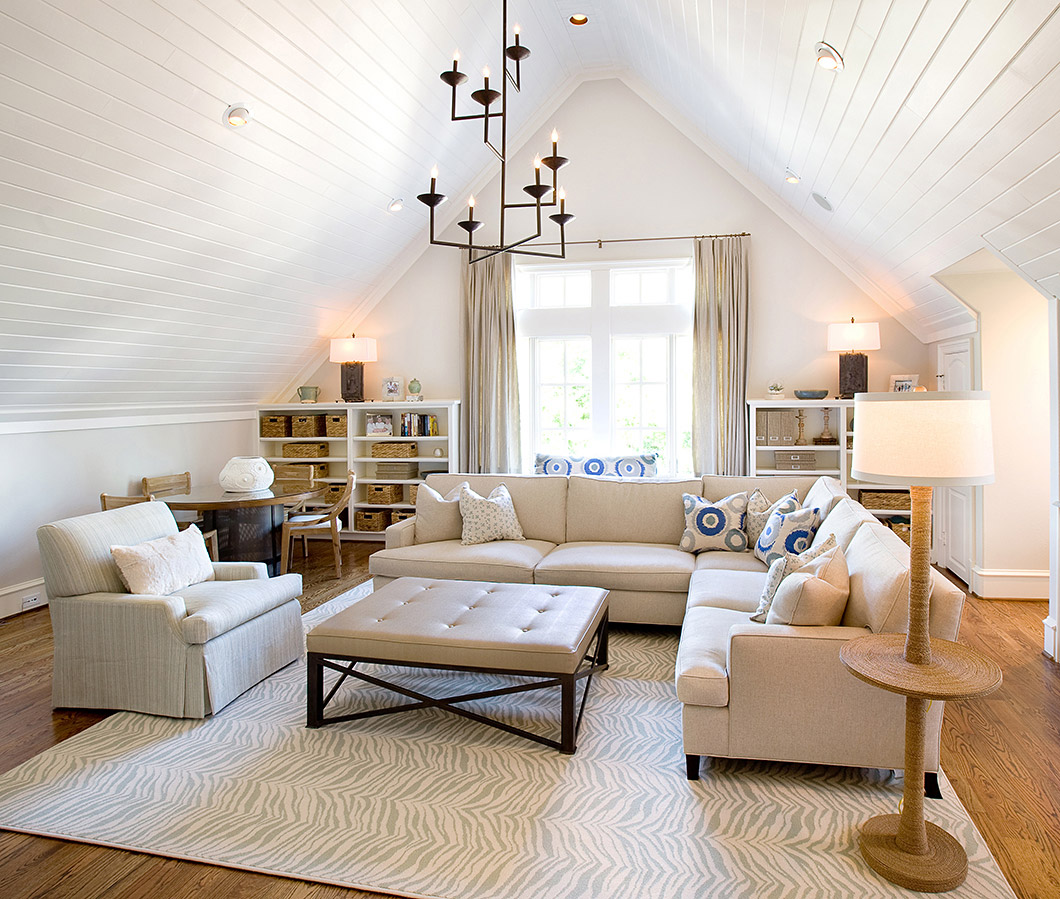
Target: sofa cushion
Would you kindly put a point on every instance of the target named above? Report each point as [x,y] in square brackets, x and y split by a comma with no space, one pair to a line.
[540,500]
[487,519]
[760,509]
[878,563]
[510,561]
[438,517]
[617,566]
[738,590]
[216,607]
[702,656]
[786,532]
[843,521]
[814,595]
[714,525]
[745,561]
[626,510]
[780,568]
[773,487]
[823,495]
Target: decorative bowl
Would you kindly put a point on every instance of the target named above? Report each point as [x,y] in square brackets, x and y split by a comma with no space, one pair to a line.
[245,474]
[811,394]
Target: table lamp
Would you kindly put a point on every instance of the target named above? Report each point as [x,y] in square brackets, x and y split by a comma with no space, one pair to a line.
[353,352]
[850,340]
[919,440]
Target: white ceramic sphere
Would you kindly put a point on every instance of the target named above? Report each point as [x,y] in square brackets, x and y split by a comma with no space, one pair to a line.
[245,474]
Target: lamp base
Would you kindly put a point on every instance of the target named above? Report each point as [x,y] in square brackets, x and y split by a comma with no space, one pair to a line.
[353,382]
[942,867]
[853,374]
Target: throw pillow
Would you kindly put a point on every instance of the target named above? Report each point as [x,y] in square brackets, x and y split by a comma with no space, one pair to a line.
[714,525]
[488,518]
[642,466]
[437,517]
[815,595]
[759,509]
[787,532]
[159,567]
[781,568]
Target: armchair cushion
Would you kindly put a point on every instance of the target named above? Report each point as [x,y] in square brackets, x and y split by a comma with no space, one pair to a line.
[216,607]
[165,565]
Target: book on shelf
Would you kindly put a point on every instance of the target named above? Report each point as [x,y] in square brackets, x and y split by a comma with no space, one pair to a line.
[413,424]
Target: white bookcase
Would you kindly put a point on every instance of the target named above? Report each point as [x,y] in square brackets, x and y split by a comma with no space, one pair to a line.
[354,451]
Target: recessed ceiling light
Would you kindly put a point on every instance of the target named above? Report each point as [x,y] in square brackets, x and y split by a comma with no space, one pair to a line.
[828,57]
[236,115]
[395,205]
[579,19]
[821,201]
[791,177]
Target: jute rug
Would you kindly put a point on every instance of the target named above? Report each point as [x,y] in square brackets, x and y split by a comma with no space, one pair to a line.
[428,804]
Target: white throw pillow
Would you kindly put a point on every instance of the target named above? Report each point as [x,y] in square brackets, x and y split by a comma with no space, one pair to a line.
[159,567]
[437,517]
[781,568]
[759,509]
[714,525]
[488,518]
[787,532]
[814,595]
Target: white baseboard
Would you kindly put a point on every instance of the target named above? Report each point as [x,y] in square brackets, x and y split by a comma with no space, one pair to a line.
[1051,647]
[11,597]
[1009,583]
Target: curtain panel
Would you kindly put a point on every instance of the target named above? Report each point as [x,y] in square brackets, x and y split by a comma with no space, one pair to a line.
[719,357]
[490,431]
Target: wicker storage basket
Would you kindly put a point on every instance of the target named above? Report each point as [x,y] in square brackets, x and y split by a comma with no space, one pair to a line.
[885,499]
[394,450]
[335,425]
[371,519]
[401,515]
[901,527]
[276,426]
[334,493]
[304,450]
[382,493]
[286,471]
[307,426]
[413,490]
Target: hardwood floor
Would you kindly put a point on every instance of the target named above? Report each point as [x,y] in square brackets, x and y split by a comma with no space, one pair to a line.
[1002,754]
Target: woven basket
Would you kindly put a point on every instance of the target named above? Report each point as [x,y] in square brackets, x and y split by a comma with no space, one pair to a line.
[382,493]
[304,450]
[394,450]
[336,425]
[885,499]
[413,490]
[307,426]
[334,493]
[371,519]
[302,472]
[401,515]
[276,426]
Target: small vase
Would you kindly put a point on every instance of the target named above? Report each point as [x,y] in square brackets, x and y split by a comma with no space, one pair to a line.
[245,474]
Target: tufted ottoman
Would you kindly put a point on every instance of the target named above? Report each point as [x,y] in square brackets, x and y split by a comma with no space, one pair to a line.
[555,634]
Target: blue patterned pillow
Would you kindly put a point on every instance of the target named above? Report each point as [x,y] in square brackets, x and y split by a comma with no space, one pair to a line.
[645,466]
[787,532]
[714,525]
[759,509]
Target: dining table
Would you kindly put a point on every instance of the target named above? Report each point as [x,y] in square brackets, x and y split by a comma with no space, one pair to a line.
[248,525]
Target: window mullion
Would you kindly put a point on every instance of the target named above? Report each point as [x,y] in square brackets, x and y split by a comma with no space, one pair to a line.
[600,336]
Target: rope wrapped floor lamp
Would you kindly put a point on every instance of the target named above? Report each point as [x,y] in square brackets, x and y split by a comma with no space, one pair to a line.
[922,440]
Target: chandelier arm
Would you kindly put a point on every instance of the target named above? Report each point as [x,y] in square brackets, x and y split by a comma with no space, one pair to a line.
[476,117]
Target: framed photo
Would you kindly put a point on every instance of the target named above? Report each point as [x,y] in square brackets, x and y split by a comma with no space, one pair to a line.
[378,424]
[392,388]
[904,383]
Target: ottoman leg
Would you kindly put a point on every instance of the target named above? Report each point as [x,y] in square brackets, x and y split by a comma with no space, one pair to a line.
[567,732]
[314,690]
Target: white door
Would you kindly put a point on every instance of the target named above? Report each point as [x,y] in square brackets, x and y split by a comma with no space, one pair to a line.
[953,505]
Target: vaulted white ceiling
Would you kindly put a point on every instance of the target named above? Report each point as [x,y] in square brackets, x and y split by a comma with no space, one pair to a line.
[149,253]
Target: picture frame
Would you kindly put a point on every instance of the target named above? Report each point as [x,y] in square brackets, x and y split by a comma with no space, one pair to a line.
[378,425]
[392,388]
[904,383]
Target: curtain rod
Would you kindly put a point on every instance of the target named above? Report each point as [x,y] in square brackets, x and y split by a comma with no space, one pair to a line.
[601,241]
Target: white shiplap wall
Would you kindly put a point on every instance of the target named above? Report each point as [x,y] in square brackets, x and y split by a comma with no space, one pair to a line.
[150,254]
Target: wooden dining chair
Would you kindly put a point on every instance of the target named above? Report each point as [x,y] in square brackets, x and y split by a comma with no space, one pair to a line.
[314,524]
[172,485]
[109,501]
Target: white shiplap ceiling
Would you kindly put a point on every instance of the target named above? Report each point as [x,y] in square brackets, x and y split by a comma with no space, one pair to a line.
[149,254]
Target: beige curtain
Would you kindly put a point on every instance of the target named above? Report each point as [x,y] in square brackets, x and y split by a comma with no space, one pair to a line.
[719,357]
[490,402]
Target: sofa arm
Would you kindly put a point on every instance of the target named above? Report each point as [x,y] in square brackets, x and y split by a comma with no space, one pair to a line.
[401,534]
[240,571]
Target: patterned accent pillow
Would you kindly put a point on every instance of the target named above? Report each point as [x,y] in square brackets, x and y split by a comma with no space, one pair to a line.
[781,568]
[759,509]
[644,466]
[787,532]
[488,518]
[714,525]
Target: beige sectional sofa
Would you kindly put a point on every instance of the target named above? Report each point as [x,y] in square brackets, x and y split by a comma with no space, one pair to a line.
[748,690]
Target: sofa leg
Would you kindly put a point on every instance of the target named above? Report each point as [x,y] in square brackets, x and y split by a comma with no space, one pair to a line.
[692,767]
[931,785]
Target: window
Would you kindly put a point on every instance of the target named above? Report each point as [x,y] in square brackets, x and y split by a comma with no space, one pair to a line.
[605,354]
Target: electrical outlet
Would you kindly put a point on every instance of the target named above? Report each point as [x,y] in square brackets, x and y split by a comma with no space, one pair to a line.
[30,601]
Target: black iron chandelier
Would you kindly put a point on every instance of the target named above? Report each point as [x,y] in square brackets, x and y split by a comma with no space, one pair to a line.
[487,98]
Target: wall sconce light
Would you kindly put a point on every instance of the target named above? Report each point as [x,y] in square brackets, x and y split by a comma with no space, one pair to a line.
[353,352]
[237,115]
[850,340]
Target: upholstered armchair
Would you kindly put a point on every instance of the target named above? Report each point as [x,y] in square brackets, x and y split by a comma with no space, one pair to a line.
[185,655]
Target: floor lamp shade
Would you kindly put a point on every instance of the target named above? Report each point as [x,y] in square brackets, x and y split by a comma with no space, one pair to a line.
[851,339]
[353,352]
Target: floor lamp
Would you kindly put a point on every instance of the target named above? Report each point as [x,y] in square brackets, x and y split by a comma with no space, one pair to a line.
[920,440]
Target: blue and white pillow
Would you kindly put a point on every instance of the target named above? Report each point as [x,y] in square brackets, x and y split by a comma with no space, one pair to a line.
[714,525]
[643,466]
[787,532]
[759,509]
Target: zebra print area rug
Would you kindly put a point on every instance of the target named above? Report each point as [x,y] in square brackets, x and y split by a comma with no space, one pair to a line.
[428,804]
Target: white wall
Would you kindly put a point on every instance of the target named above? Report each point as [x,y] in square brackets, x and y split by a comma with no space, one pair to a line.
[634,175]
[56,470]
[1013,536]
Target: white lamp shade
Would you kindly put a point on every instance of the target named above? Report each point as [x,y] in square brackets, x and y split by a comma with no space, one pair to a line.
[940,439]
[853,337]
[353,349]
